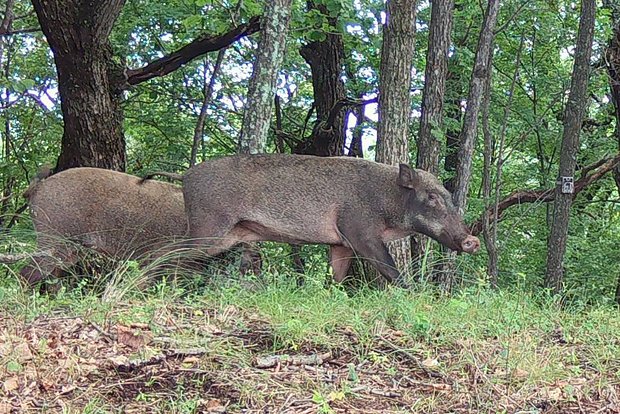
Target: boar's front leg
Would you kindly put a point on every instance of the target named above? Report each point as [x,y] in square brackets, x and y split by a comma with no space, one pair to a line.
[374,250]
[340,261]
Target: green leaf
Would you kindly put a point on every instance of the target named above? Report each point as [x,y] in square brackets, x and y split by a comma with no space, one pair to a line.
[193,21]
[14,366]
[316,36]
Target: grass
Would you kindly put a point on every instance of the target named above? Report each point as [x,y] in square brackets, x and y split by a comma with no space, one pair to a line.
[194,348]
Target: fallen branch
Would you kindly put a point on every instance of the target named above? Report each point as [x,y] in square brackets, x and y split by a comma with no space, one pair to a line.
[600,168]
[123,364]
[187,53]
[271,361]
[375,391]
[13,258]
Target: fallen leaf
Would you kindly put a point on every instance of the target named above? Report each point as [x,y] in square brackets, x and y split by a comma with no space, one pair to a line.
[191,360]
[520,373]
[215,406]
[10,384]
[22,352]
[119,360]
[430,363]
[133,337]
[554,394]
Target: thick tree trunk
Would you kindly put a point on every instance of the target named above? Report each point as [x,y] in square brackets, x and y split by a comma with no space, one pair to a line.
[77,33]
[434,85]
[326,63]
[395,98]
[271,47]
[431,119]
[573,116]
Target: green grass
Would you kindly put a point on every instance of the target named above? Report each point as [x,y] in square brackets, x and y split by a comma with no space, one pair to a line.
[514,343]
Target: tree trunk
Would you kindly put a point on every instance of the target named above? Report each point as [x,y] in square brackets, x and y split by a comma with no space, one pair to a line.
[326,63]
[206,101]
[573,116]
[431,119]
[434,85]
[613,69]
[271,47]
[466,141]
[489,149]
[476,88]
[77,33]
[395,98]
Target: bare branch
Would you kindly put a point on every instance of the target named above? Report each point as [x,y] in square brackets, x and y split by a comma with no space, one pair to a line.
[19,31]
[187,53]
[13,258]
[545,196]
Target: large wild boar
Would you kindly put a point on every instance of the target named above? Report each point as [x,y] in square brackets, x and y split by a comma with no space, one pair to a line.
[351,204]
[107,211]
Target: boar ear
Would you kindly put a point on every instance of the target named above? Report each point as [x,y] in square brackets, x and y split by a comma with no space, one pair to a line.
[406,176]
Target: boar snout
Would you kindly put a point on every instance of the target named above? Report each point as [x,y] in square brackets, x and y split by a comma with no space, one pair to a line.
[471,244]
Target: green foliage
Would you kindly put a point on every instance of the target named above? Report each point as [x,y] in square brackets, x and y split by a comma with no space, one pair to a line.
[160,115]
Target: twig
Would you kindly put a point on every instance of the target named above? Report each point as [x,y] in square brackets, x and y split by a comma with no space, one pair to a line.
[271,361]
[413,358]
[13,258]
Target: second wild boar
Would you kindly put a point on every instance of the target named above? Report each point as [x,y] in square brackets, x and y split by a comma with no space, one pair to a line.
[107,211]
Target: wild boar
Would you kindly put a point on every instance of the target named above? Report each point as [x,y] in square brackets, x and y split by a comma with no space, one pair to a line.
[351,204]
[107,211]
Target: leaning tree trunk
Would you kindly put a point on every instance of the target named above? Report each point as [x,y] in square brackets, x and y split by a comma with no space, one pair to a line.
[432,100]
[573,116]
[77,33]
[467,137]
[395,97]
[271,47]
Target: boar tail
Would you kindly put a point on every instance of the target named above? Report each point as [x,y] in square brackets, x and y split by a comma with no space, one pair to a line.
[44,171]
[172,176]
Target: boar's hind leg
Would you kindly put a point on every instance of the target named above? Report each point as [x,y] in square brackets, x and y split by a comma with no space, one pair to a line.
[217,234]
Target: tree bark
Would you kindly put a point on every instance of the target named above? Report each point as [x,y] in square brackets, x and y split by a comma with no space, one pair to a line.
[206,101]
[447,274]
[489,149]
[431,120]
[271,47]
[434,85]
[573,116]
[326,63]
[395,98]
[77,33]
[476,88]
[612,57]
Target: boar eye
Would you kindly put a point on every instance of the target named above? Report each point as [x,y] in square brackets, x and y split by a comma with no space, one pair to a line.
[433,197]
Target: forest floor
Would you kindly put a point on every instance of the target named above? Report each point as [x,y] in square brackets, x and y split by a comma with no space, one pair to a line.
[283,349]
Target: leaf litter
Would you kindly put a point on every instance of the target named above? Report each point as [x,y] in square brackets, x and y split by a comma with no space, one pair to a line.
[226,361]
